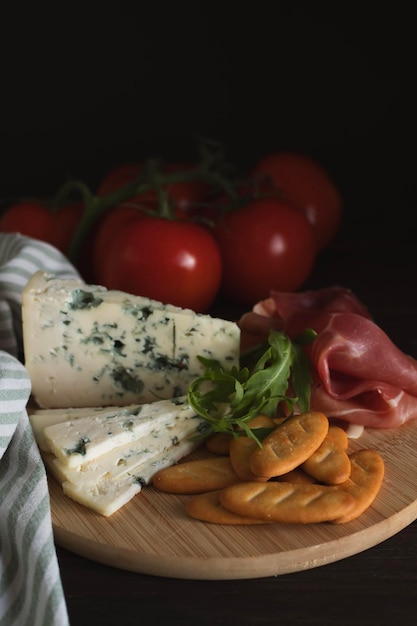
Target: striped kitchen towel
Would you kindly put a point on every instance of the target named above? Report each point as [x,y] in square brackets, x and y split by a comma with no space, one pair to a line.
[31,592]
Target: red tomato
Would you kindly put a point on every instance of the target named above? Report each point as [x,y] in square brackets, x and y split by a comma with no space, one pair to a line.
[265,245]
[118,177]
[182,194]
[106,231]
[32,219]
[175,262]
[67,219]
[305,183]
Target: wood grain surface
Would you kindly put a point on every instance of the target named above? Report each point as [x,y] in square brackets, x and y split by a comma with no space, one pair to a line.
[153,535]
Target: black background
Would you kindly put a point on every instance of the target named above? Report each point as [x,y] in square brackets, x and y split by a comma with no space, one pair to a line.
[83,90]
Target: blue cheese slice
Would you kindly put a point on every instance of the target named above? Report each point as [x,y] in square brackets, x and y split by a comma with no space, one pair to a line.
[85,345]
[130,457]
[105,497]
[41,418]
[83,439]
[108,495]
[102,457]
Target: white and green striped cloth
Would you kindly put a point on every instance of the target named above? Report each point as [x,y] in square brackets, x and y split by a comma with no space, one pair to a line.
[31,592]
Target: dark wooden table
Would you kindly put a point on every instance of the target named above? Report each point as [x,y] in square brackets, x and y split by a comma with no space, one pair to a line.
[378,586]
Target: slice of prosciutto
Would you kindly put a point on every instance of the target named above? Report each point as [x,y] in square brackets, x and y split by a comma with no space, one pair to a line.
[359,375]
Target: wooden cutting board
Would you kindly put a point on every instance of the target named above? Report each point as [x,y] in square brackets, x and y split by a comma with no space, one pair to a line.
[153,535]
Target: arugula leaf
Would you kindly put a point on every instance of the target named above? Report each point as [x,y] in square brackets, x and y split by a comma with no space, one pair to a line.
[301,374]
[229,398]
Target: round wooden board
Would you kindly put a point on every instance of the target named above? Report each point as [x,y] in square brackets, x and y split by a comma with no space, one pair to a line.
[153,535]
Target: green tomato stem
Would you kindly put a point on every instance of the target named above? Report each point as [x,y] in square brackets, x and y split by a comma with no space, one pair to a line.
[95,207]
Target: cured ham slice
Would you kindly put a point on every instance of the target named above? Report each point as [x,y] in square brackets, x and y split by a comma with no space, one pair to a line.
[359,375]
[293,312]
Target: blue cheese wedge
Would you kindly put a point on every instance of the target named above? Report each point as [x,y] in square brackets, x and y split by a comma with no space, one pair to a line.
[86,346]
[83,439]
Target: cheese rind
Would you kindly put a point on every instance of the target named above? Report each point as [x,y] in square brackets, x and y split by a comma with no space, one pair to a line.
[85,345]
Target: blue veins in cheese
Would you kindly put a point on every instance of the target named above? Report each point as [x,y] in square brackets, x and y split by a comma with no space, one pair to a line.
[85,345]
[103,457]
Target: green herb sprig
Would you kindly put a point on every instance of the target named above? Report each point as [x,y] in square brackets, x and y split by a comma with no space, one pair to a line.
[229,398]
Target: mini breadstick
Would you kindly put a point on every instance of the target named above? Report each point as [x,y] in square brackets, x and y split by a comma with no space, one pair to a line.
[330,463]
[218,443]
[241,448]
[296,476]
[198,476]
[261,421]
[278,420]
[288,503]
[240,452]
[364,483]
[290,444]
[206,507]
